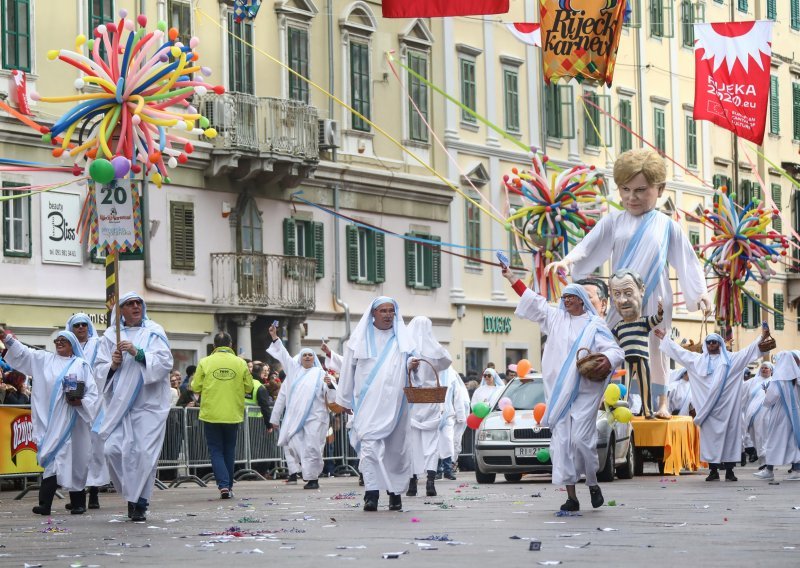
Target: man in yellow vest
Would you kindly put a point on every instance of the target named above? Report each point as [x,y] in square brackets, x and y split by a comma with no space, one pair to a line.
[258,402]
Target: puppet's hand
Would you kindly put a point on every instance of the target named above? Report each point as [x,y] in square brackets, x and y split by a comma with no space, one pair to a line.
[563,265]
[660,333]
[704,303]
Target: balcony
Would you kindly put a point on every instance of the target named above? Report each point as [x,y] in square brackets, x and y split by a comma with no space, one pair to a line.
[272,282]
[276,139]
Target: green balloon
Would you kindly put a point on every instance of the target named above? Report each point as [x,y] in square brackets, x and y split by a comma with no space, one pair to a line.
[481,409]
[203,122]
[543,455]
[101,171]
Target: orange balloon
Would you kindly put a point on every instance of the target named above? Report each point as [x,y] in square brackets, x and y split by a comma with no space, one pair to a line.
[508,413]
[538,412]
[523,367]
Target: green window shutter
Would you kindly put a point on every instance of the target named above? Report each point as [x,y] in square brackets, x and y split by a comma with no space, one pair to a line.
[380,257]
[795,14]
[468,89]
[567,111]
[318,230]
[289,237]
[745,310]
[182,235]
[436,264]
[796,110]
[774,106]
[351,237]
[360,83]
[16,34]
[411,261]
[772,10]
[743,6]
[626,119]
[755,191]
[777,303]
[777,222]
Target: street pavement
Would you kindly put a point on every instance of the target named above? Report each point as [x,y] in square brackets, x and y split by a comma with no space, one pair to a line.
[651,520]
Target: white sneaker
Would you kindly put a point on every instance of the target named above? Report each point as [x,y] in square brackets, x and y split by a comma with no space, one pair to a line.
[767,474]
[793,476]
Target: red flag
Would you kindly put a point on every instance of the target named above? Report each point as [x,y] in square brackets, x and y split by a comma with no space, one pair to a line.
[731,87]
[442,8]
[527,32]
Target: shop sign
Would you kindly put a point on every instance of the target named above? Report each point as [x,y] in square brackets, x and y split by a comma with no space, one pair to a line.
[496,324]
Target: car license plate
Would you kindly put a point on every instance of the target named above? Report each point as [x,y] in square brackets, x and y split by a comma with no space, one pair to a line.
[525,452]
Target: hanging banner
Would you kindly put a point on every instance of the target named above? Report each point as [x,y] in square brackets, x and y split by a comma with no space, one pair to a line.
[116,226]
[59,226]
[526,32]
[17,447]
[732,68]
[580,38]
[442,8]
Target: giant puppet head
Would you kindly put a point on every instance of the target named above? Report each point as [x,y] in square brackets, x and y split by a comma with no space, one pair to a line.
[640,176]
[627,293]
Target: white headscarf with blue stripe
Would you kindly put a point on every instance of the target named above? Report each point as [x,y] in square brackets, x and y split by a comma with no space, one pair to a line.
[362,340]
[127,297]
[299,357]
[77,351]
[81,317]
[580,292]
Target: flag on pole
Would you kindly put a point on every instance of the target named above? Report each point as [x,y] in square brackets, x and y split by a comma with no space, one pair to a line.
[732,76]
[442,8]
[525,32]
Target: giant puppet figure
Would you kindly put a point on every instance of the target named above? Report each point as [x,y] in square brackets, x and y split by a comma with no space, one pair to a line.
[644,240]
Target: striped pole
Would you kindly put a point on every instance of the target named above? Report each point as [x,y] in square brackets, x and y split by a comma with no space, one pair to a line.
[112,287]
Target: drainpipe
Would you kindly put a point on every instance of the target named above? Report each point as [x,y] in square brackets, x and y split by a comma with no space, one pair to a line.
[337,272]
[331,70]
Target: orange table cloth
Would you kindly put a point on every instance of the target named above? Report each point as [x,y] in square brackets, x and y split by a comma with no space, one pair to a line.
[679,437]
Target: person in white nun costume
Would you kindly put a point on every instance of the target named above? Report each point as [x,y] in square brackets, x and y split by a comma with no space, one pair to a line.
[305,422]
[61,422]
[136,401]
[454,422]
[755,415]
[782,402]
[81,325]
[716,379]
[426,418]
[571,399]
[371,383]
[490,388]
[679,392]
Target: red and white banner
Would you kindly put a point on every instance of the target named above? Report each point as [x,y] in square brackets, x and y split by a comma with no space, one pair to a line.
[732,67]
[527,32]
[442,8]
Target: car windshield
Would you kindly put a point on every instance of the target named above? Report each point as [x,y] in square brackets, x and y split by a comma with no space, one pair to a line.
[525,394]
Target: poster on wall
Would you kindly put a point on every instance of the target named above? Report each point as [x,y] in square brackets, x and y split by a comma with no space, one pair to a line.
[60,239]
[17,447]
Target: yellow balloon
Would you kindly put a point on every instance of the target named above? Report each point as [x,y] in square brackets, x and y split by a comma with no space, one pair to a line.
[612,394]
[623,414]
[79,41]
[52,54]
[210,132]
[157,179]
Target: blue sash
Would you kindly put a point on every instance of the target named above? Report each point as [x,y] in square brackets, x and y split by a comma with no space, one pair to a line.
[374,373]
[566,367]
[790,407]
[46,460]
[653,274]
[311,400]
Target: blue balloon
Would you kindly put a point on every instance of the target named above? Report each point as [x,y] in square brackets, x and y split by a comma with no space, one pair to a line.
[623,390]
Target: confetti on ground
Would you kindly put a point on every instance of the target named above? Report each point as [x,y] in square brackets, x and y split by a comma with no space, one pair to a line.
[436,537]
[606,529]
[239,533]
[568,514]
[248,520]
[415,520]
[549,562]
[612,503]
[577,546]
[348,495]
[387,555]
[357,547]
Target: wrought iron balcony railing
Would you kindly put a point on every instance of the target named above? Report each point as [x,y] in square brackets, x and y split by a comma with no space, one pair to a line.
[263,280]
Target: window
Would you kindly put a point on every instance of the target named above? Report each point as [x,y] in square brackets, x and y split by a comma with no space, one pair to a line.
[307,239]
[180,17]
[16,222]
[796,110]
[100,12]
[514,253]
[748,191]
[795,16]
[560,106]
[181,216]
[687,23]
[16,17]
[777,222]
[366,255]
[514,356]
[240,56]
[596,124]
[476,359]
[626,120]
[777,303]
[633,18]
[660,129]
[694,238]
[691,143]
[751,311]
[774,106]
[742,5]
[772,10]
[473,225]
[250,228]
[468,88]
[360,83]
[418,62]
[661,18]
[423,263]
[511,90]
[298,61]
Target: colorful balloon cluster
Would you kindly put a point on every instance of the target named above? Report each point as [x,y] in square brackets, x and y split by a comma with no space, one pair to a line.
[127,118]
[740,250]
[613,394]
[560,212]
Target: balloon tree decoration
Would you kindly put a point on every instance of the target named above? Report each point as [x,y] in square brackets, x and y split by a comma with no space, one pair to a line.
[556,214]
[133,108]
[740,250]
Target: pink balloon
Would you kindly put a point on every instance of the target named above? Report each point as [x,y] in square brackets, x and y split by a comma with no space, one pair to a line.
[504,402]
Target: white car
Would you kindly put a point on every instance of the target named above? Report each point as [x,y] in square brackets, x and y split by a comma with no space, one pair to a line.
[510,448]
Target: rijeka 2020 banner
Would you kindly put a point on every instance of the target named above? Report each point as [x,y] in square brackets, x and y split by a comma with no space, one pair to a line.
[580,38]
[731,87]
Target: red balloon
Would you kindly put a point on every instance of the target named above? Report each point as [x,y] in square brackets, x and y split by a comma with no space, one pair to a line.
[538,412]
[473,421]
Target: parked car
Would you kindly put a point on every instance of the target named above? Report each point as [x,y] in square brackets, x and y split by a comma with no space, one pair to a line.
[510,448]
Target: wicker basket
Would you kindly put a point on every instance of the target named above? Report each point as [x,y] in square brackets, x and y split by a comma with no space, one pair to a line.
[767,344]
[698,347]
[591,365]
[425,395]
[332,406]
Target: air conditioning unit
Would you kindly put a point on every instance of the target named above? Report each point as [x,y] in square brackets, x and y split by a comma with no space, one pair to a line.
[328,134]
[219,113]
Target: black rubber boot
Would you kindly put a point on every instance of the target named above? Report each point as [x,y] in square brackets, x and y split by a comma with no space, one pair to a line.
[78,501]
[729,475]
[94,500]
[312,484]
[713,474]
[412,487]
[371,500]
[571,505]
[395,502]
[47,490]
[597,496]
[430,485]
[131,507]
